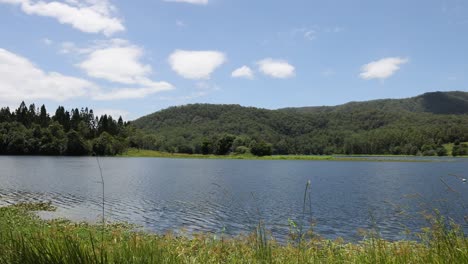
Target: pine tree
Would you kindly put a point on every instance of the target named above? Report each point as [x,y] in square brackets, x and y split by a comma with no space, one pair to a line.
[43,117]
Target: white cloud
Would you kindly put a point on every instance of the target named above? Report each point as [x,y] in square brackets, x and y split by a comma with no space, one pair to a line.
[21,80]
[382,69]
[90,16]
[197,65]
[243,72]
[196,2]
[276,68]
[119,61]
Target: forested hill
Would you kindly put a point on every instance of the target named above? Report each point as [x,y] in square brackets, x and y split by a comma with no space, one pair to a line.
[435,103]
[418,125]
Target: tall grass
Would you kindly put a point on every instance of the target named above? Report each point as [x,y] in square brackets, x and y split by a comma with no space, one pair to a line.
[24,238]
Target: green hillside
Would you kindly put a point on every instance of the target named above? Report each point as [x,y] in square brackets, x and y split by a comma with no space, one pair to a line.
[435,103]
[418,125]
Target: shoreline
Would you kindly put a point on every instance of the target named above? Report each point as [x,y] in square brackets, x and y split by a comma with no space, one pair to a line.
[135,153]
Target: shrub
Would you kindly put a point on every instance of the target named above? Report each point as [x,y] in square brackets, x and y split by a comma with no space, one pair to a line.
[261,149]
[242,150]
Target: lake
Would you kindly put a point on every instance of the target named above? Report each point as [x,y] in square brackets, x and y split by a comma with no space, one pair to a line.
[232,196]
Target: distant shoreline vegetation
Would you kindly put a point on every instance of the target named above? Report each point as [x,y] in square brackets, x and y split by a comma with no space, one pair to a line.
[433,124]
[141,153]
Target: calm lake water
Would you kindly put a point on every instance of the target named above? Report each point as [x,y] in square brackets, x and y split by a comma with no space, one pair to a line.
[231,196]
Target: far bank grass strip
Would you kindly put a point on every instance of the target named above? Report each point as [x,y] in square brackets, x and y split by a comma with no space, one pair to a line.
[135,153]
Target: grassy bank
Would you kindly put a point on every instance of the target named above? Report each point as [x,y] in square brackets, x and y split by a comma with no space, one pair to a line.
[24,238]
[158,154]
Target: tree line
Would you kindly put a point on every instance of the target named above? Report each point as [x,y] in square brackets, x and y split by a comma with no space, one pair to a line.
[32,131]
[232,129]
[78,132]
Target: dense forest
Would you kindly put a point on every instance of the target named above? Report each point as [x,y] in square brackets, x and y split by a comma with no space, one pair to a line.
[413,126]
[32,131]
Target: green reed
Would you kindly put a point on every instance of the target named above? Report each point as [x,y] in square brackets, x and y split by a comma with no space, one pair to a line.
[25,238]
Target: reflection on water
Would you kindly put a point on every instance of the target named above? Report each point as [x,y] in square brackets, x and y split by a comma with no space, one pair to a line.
[233,195]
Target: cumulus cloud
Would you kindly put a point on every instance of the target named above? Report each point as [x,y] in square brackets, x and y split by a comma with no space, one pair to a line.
[195,2]
[197,65]
[22,80]
[382,69]
[119,61]
[90,16]
[276,68]
[243,72]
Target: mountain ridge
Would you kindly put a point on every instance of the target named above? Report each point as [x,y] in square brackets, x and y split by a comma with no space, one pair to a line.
[425,99]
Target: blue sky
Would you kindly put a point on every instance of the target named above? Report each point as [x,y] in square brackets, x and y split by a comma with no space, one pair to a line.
[136,57]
